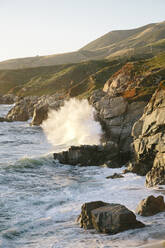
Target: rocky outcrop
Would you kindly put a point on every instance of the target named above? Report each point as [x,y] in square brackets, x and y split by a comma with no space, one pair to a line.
[125,80]
[33,106]
[23,109]
[88,155]
[151,205]
[7,99]
[149,141]
[43,106]
[107,218]
[117,117]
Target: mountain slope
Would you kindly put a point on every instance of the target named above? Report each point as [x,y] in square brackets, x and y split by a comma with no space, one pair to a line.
[72,79]
[145,41]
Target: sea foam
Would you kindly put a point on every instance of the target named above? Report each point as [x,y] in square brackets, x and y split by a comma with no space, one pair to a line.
[73,124]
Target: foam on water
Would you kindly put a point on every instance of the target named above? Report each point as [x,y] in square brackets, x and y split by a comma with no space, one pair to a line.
[41,199]
[73,124]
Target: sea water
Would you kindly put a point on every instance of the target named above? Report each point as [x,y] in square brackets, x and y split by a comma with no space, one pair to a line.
[40,199]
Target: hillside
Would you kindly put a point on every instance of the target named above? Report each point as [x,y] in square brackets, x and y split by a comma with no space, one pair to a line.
[71,79]
[145,41]
[80,79]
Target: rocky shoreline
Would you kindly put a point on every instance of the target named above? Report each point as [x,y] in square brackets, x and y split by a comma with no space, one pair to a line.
[133,127]
[134,135]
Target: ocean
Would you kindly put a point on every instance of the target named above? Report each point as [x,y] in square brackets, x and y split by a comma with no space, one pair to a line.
[40,199]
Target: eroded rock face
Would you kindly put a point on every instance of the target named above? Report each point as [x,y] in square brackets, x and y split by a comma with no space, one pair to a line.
[107,218]
[22,110]
[151,205]
[42,108]
[86,155]
[7,99]
[117,117]
[149,141]
[36,107]
[85,217]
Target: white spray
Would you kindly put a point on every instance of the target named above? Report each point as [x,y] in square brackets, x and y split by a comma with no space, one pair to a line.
[72,124]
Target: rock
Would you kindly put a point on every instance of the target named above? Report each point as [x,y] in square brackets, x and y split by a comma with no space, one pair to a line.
[149,141]
[7,99]
[40,114]
[22,110]
[2,119]
[36,107]
[114,176]
[117,116]
[124,80]
[107,218]
[114,218]
[85,218]
[42,108]
[86,155]
[151,205]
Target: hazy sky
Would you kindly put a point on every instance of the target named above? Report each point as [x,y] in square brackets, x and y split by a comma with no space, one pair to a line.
[42,27]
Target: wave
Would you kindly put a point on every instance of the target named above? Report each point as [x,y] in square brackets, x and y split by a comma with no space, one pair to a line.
[73,124]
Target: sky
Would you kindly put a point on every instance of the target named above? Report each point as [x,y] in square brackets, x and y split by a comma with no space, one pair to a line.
[43,27]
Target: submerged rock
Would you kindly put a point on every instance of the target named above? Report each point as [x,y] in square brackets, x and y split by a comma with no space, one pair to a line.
[151,205]
[115,176]
[2,119]
[86,155]
[108,218]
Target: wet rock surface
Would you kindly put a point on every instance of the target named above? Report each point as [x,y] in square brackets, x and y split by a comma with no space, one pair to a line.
[88,155]
[151,205]
[115,176]
[107,218]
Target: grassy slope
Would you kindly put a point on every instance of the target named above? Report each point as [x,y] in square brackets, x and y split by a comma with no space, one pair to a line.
[79,80]
[147,40]
[153,73]
[71,79]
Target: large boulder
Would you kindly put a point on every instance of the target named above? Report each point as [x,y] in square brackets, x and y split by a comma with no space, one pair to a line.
[85,218]
[149,141]
[107,218]
[86,155]
[151,205]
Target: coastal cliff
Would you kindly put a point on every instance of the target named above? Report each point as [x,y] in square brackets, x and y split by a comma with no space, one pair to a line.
[130,107]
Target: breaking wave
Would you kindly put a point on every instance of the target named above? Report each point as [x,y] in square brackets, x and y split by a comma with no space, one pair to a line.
[73,124]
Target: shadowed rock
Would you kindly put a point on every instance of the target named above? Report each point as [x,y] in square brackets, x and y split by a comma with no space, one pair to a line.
[107,218]
[87,155]
[114,176]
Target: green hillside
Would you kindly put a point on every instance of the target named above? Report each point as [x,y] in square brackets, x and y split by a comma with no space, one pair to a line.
[80,79]
[71,79]
[141,42]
